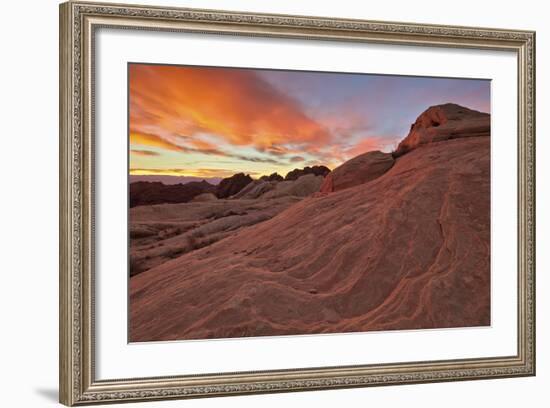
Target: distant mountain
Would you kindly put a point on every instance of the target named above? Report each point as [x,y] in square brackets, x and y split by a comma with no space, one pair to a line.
[173,179]
[147,193]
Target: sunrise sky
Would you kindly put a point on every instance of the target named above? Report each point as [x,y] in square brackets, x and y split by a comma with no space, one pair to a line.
[215,122]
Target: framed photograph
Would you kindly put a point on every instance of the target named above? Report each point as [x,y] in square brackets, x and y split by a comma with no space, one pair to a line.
[256,203]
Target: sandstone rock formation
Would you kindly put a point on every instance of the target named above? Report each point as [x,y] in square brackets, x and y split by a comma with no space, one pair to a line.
[443,122]
[407,247]
[315,170]
[301,187]
[232,185]
[407,250]
[272,177]
[359,170]
[255,189]
[159,233]
[147,193]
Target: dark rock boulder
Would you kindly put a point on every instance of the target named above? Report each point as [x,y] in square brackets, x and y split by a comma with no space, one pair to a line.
[315,170]
[148,193]
[272,177]
[232,185]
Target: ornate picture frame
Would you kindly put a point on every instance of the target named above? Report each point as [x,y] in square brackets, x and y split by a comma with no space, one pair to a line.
[78,24]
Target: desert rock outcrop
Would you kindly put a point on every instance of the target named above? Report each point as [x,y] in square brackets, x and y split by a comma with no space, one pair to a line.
[272,177]
[147,193]
[301,187]
[443,122]
[359,170]
[315,170]
[163,232]
[232,185]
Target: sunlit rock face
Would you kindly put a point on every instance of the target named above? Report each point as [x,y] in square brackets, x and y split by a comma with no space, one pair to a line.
[443,122]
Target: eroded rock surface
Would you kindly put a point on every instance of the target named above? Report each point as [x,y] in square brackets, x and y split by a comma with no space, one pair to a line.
[407,250]
[359,170]
[443,122]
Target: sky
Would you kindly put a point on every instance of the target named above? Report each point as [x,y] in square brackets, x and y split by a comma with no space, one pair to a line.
[215,122]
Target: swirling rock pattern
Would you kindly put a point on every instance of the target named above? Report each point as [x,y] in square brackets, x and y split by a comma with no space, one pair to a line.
[407,250]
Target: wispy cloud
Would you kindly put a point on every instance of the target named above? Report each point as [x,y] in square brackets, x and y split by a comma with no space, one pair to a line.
[187,145]
[384,143]
[146,139]
[257,159]
[144,152]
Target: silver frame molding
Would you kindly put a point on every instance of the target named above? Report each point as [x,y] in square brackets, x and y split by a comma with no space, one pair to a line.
[78,22]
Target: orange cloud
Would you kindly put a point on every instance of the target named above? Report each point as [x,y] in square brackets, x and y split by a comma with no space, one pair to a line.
[234,104]
[202,145]
[145,139]
[368,144]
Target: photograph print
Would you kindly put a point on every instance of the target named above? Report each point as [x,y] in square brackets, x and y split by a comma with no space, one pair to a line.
[276,202]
